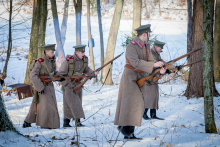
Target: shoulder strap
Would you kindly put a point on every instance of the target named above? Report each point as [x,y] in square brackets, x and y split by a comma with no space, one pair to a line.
[71,64]
[85,63]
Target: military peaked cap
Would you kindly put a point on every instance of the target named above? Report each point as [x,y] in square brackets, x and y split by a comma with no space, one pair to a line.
[49,47]
[143,29]
[159,43]
[80,48]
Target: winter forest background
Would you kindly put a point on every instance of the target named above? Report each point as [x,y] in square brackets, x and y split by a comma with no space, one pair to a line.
[183,101]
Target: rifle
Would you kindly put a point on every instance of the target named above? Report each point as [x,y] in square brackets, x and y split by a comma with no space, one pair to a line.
[77,88]
[76,78]
[156,71]
[156,78]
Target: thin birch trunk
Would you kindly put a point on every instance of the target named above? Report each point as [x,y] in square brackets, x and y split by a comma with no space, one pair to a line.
[112,41]
[100,33]
[9,42]
[90,39]
[78,11]
[61,54]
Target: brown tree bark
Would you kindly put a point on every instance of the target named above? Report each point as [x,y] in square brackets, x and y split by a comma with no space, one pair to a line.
[216,50]
[195,82]
[42,27]
[136,15]
[33,49]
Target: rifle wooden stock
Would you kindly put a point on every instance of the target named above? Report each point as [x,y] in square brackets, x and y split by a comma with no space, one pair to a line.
[47,79]
[142,81]
[77,88]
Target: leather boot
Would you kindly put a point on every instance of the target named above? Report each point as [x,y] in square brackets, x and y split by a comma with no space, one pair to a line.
[153,114]
[145,114]
[131,136]
[66,122]
[78,123]
[26,124]
[124,130]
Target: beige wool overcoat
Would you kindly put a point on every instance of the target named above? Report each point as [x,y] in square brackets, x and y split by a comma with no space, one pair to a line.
[47,112]
[151,100]
[130,104]
[72,102]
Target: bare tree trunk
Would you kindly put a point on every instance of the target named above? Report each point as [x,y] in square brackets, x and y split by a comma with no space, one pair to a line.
[78,11]
[90,39]
[210,126]
[112,41]
[64,23]
[33,49]
[100,33]
[61,54]
[216,50]
[42,27]
[159,8]
[9,42]
[195,81]
[189,27]
[136,15]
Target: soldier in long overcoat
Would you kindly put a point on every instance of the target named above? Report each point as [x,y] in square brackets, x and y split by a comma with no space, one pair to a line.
[47,111]
[152,98]
[130,105]
[72,102]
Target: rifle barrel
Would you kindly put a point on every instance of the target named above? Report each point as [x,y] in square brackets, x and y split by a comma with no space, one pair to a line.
[187,54]
[100,68]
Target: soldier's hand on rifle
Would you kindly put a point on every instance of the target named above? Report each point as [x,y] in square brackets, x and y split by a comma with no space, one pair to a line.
[41,92]
[179,67]
[96,72]
[158,64]
[163,70]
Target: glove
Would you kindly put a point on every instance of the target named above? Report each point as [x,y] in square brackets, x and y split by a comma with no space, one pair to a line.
[168,71]
[179,67]
[62,79]
[41,92]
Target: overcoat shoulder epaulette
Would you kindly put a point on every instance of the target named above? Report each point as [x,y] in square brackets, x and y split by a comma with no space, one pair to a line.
[40,60]
[69,57]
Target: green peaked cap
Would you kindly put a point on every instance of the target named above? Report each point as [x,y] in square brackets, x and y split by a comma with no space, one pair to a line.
[143,29]
[49,47]
[80,48]
[159,43]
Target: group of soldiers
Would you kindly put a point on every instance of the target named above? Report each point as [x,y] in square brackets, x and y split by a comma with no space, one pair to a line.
[133,102]
[47,116]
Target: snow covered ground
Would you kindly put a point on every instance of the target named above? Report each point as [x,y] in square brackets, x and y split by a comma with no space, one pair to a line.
[184,119]
[183,125]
